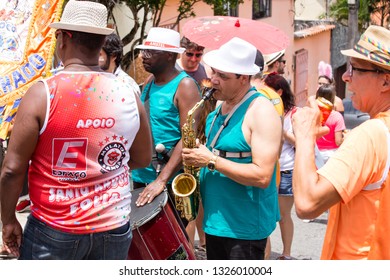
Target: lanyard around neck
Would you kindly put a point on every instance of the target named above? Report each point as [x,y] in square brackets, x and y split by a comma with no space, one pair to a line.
[225,123]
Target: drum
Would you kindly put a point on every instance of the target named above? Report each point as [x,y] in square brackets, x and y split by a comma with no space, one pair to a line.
[157,235]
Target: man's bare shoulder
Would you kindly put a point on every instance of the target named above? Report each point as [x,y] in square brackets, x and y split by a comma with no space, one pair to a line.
[188,88]
[188,82]
[37,90]
[263,103]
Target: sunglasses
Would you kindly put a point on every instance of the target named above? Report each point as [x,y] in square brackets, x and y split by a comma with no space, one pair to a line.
[190,54]
[282,61]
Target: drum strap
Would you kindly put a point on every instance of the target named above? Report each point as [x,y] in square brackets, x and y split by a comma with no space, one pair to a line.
[158,163]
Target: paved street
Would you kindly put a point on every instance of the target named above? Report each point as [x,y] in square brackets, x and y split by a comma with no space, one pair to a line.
[307,242]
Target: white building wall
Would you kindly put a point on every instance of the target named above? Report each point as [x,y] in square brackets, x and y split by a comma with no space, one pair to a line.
[310,9]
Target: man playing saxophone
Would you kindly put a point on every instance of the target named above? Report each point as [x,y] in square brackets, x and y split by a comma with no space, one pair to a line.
[238,181]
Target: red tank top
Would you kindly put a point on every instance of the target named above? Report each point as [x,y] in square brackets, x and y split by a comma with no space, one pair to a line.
[78,176]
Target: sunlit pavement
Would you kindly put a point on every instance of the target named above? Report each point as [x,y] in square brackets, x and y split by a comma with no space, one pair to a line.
[307,240]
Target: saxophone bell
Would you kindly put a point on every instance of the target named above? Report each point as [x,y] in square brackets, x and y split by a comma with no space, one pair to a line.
[185,189]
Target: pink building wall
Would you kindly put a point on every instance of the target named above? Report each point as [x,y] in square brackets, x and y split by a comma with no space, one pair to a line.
[318,47]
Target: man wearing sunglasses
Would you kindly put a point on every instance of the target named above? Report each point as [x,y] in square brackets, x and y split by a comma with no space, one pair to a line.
[354,182]
[189,61]
[168,95]
[276,62]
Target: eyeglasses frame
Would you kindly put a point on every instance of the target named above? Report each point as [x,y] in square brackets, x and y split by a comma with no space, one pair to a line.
[148,53]
[352,68]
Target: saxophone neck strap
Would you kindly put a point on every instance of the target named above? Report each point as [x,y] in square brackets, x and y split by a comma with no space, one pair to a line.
[225,154]
[225,123]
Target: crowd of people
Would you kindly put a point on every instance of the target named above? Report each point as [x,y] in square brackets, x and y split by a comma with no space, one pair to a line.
[88,136]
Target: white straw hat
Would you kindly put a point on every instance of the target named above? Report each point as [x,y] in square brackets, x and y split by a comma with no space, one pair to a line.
[271,58]
[235,56]
[162,39]
[84,16]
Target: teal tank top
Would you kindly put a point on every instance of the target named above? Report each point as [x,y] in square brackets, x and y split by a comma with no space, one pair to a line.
[231,209]
[164,121]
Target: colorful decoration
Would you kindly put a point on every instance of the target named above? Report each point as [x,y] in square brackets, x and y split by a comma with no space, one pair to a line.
[26,50]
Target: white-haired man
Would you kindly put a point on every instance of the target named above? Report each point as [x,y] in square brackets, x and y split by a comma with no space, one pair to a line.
[354,182]
[238,185]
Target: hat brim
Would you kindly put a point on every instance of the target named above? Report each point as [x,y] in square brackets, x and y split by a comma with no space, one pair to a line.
[82,28]
[355,54]
[175,50]
[213,60]
[271,58]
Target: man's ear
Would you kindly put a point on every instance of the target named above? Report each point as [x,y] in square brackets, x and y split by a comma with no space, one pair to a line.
[172,56]
[112,59]
[386,83]
[244,79]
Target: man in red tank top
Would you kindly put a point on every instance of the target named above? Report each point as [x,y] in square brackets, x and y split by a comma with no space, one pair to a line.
[81,130]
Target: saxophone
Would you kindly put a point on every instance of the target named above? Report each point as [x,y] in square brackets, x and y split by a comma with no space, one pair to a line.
[185,186]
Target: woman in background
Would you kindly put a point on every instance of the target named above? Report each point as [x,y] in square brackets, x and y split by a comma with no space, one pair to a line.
[330,142]
[325,77]
[286,162]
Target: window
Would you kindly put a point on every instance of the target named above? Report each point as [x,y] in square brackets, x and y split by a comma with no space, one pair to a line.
[226,9]
[232,11]
[261,9]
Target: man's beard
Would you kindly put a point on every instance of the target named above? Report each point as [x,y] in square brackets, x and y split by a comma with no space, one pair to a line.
[106,64]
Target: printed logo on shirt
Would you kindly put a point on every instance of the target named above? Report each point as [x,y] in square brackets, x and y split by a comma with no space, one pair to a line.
[69,158]
[111,156]
[96,123]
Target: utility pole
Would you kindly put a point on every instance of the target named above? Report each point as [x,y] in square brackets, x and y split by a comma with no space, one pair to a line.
[353,32]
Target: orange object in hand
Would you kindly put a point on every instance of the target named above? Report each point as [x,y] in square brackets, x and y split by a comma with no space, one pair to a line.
[326,108]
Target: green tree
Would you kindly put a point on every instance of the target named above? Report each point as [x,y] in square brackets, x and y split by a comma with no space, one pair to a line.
[221,7]
[339,11]
[381,9]
[144,11]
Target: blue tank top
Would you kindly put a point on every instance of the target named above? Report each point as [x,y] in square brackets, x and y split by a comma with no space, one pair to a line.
[164,121]
[231,209]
